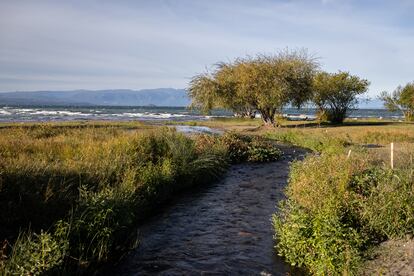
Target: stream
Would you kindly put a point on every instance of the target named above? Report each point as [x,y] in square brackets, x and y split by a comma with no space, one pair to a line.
[222,229]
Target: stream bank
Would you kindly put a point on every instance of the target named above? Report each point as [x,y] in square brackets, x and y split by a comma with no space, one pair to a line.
[221,229]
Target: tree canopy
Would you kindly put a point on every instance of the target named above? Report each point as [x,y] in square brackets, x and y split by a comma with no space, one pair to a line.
[401,99]
[265,83]
[336,93]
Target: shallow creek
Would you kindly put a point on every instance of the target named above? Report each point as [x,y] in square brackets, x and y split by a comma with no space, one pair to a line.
[222,229]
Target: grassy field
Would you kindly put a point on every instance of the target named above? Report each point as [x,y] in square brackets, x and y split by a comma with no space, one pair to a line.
[341,205]
[72,194]
[343,201]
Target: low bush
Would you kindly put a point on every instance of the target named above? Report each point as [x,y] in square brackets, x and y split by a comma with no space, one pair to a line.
[339,207]
[253,149]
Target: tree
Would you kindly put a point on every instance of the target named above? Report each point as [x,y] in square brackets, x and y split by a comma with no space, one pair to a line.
[401,99]
[263,83]
[336,93]
[218,90]
[203,92]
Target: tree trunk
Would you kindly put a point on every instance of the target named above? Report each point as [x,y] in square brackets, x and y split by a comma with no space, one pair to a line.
[268,116]
[251,114]
[409,115]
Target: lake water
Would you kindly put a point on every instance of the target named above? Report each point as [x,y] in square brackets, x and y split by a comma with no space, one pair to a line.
[112,113]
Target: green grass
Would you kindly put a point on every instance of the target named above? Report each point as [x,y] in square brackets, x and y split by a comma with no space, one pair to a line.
[71,196]
[94,184]
[338,207]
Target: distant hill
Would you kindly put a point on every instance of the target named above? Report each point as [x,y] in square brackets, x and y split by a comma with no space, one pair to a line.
[120,97]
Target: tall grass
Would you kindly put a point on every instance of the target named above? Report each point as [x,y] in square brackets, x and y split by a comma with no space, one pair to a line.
[76,195]
[99,182]
[338,207]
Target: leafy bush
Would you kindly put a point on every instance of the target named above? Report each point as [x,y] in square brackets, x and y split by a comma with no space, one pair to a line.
[387,202]
[35,254]
[237,146]
[320,242]
[338,207]
[244,148]
[260,150]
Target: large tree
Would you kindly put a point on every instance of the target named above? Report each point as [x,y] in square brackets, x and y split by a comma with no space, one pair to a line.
[218,90]
[263,83]
[336,93]
[401,99]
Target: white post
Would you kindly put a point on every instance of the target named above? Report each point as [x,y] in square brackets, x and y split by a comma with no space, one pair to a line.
[349,154]
[392,156]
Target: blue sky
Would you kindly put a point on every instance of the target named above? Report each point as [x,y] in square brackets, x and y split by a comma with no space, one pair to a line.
[63,45]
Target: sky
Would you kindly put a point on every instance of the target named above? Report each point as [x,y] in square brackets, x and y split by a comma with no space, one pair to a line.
[65,45]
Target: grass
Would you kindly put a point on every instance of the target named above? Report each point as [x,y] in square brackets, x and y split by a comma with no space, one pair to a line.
[71,196]
[338,208]
[93,184]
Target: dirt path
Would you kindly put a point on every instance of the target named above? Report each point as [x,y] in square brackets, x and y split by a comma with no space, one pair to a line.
[221,229]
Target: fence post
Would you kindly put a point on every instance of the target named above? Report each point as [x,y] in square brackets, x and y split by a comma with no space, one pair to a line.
[392,156]
[349,154]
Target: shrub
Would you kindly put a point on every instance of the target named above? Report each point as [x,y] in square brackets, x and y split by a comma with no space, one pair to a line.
[339,207]
[237,146]
[317,226]
[36,254]
[260,150]
[244,148]
[320,241]
[387,203]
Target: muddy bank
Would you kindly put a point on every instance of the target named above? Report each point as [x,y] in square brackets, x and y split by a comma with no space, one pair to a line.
[393,257]
[221,229]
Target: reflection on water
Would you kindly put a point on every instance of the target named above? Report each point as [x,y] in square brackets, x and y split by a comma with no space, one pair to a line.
[221,229]
[197,129]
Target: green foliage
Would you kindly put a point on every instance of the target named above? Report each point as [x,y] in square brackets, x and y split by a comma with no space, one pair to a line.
[37,254]
[401,99]
[320,242]
[339,207]
[263,83]
[335,94]
[203,92]
[91,187]
[320,143]
[387,203]
[244,148]
[262,151]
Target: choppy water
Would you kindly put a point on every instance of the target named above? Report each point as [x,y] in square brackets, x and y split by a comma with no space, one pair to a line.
[223,229]
[38,113]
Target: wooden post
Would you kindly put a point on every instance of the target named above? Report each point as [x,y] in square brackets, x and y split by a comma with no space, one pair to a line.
[392,156]
[349,154]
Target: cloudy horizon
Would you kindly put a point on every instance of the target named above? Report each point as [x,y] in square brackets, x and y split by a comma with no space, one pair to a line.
[48,45]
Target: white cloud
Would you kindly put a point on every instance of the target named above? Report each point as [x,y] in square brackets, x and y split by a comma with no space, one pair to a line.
[94,45]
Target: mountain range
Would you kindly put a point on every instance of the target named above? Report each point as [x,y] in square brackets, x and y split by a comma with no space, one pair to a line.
[116,97]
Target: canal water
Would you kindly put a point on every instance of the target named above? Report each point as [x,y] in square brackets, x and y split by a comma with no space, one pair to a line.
[222,229]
